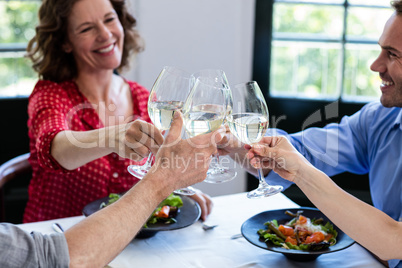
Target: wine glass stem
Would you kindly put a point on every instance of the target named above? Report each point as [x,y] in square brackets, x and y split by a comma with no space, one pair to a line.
[218,161]
[148,163]
[261,178]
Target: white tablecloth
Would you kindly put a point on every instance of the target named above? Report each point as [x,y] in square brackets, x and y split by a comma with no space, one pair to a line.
[194,247]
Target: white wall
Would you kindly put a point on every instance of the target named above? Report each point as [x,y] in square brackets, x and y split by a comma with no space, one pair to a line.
[195,35]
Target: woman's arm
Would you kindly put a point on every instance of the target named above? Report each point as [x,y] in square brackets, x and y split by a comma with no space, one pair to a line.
[367,225]
[134,140]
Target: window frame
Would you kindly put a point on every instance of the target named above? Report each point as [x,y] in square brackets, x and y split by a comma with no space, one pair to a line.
[264,37]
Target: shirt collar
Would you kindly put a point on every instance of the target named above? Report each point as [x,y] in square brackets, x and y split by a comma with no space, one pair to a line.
[398,119]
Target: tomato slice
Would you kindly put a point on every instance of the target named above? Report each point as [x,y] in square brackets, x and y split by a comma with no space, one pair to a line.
[291,240]
[163,213]
[316,237]
[286,230]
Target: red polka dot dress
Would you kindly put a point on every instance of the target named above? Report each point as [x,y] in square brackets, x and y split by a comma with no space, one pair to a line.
[55,192]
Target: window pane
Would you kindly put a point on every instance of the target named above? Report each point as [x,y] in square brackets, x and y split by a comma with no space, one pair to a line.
[308,19]
[369,2]
[17,77]
[366,23]
[18,20]
[360,83]
[306,70]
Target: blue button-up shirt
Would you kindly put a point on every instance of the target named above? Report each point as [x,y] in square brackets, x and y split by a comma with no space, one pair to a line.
[370,141]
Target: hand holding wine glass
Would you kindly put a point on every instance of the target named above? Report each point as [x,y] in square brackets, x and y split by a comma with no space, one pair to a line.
[212,80]
[205,108]
[167,95]
[249,122]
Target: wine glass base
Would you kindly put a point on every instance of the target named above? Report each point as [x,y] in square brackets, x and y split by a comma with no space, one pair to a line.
[185,191]
[220,175]
[137,171]
[265,191]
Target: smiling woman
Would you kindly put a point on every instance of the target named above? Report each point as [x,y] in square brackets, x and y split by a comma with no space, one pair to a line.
[83,125]
[47,53]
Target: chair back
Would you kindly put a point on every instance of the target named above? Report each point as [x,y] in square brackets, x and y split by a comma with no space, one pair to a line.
[11,171]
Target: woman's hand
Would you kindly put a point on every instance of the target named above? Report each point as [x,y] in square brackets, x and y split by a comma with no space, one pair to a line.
[231,146]
[136,139]
[278,154]
[205,203]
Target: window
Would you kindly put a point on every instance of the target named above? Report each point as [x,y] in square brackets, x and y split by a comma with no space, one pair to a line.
[323,49]
[17,27]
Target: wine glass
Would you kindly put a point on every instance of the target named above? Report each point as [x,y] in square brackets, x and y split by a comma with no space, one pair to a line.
[217,173]
[204,111]
[249,122]
[167,95]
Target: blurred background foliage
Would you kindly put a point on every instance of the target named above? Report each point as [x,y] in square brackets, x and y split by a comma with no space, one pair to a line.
[17,27]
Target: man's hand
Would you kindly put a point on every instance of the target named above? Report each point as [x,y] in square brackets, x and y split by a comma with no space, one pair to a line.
[184,162]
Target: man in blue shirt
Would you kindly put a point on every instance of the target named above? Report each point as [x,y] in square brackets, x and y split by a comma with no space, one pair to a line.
[369,141]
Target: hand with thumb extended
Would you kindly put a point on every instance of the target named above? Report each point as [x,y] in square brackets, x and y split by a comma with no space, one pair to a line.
[174,134]
[184,162]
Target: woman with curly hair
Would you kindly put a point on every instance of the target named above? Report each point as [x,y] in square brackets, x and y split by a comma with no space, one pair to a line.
[86,123]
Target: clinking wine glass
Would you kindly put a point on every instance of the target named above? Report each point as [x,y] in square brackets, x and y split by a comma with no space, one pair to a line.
[249,123]
[167,95]
[204,111]
[216,78]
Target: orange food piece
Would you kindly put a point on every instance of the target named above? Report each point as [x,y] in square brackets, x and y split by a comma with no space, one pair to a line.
[302,219]
[328,237]
[291,240]
[316,237]
[286,230]
[163,213]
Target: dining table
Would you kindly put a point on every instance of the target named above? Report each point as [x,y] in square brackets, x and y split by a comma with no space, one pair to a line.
[193,246]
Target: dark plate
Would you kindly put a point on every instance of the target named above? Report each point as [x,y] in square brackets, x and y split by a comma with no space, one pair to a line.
[189,213]
[252,225]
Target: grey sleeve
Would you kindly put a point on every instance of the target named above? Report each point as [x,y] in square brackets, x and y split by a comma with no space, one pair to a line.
[21,249]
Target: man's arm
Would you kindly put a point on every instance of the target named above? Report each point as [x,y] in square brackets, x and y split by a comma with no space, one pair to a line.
[101,237]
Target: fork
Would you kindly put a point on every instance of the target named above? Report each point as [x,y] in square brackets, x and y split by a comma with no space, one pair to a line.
[207,227]
[57,227]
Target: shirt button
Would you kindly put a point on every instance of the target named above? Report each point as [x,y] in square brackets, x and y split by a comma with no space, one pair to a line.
[114,155]
[115,175]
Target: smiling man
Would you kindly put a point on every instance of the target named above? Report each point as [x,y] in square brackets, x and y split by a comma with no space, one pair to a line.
[370,141]
[389,62]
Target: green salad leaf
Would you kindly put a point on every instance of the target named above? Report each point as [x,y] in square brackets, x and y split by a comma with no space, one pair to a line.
[172,200]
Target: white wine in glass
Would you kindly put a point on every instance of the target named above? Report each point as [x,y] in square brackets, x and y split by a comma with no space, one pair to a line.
[161,112]
[167,96]
[248,122]
[205,111]
[208,118]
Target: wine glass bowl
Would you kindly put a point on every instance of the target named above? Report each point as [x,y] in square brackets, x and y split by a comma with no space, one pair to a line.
[249,122]
[217,79]
[205,110]
[167,96]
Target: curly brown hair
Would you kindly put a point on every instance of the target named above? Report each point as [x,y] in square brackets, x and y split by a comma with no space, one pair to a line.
[45,49]
[397,5]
